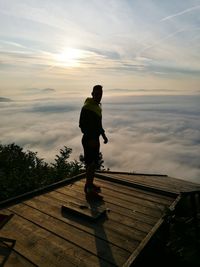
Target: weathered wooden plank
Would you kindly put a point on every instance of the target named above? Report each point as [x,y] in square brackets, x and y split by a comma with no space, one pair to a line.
[162,199]
[129,217]
[52,206]
[137,234]
[44,248]
[131,198]
[152,211]
[136,213]
[105,250]
[117,211]
[165,183]
[115,205]
[8,256]
[16,260]
[178,184]
[29,242]
[139,184]
[149,181]
[126,213]
[125,220]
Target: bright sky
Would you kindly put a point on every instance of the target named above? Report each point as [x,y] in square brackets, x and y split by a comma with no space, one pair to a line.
[143,46]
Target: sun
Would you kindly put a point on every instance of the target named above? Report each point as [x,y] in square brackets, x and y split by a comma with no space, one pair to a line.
[69,57]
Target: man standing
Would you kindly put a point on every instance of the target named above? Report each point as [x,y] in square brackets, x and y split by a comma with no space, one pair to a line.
[91,126]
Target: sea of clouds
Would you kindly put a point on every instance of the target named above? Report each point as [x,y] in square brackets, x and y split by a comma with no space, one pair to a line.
[148,134]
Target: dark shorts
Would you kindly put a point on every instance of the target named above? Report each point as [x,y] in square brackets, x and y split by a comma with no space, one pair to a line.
[91,149]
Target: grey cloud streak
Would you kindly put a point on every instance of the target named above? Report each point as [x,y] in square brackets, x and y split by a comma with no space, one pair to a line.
[154,134]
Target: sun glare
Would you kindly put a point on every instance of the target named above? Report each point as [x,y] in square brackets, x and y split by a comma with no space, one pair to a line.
[69,57]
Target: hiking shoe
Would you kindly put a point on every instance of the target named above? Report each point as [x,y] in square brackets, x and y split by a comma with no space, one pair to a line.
[93,196]
[91,193]
[97,188]
[92,187]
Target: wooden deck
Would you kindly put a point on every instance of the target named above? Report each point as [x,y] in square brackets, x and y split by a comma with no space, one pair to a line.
[47,237]
[152,182]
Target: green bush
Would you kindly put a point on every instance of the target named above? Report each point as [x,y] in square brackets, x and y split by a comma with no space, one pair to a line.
[23,171]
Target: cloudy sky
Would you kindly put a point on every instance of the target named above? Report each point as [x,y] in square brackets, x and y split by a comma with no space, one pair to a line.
[144,46]
[145,53]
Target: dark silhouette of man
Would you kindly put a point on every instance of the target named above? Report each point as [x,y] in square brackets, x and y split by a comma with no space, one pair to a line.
[91,126]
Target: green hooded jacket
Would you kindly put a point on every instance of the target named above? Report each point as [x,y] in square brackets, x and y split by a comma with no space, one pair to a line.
[90,120]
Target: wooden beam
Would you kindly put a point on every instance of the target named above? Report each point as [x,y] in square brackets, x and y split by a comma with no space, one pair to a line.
[22,197]
[136,185]
[132,173]
[149,236]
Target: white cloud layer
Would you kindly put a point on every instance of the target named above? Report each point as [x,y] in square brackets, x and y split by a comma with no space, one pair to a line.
[152,134]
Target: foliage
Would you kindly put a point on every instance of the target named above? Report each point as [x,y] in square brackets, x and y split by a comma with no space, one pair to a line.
[23,171]
[63,168]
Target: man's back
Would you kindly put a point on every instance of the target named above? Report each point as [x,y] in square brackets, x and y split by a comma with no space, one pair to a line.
[90,119]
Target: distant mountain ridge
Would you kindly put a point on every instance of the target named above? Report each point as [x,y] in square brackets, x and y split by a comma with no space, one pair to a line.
[5,99]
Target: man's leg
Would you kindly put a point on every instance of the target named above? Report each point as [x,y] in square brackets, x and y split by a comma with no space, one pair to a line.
[90,170]
[91,152]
